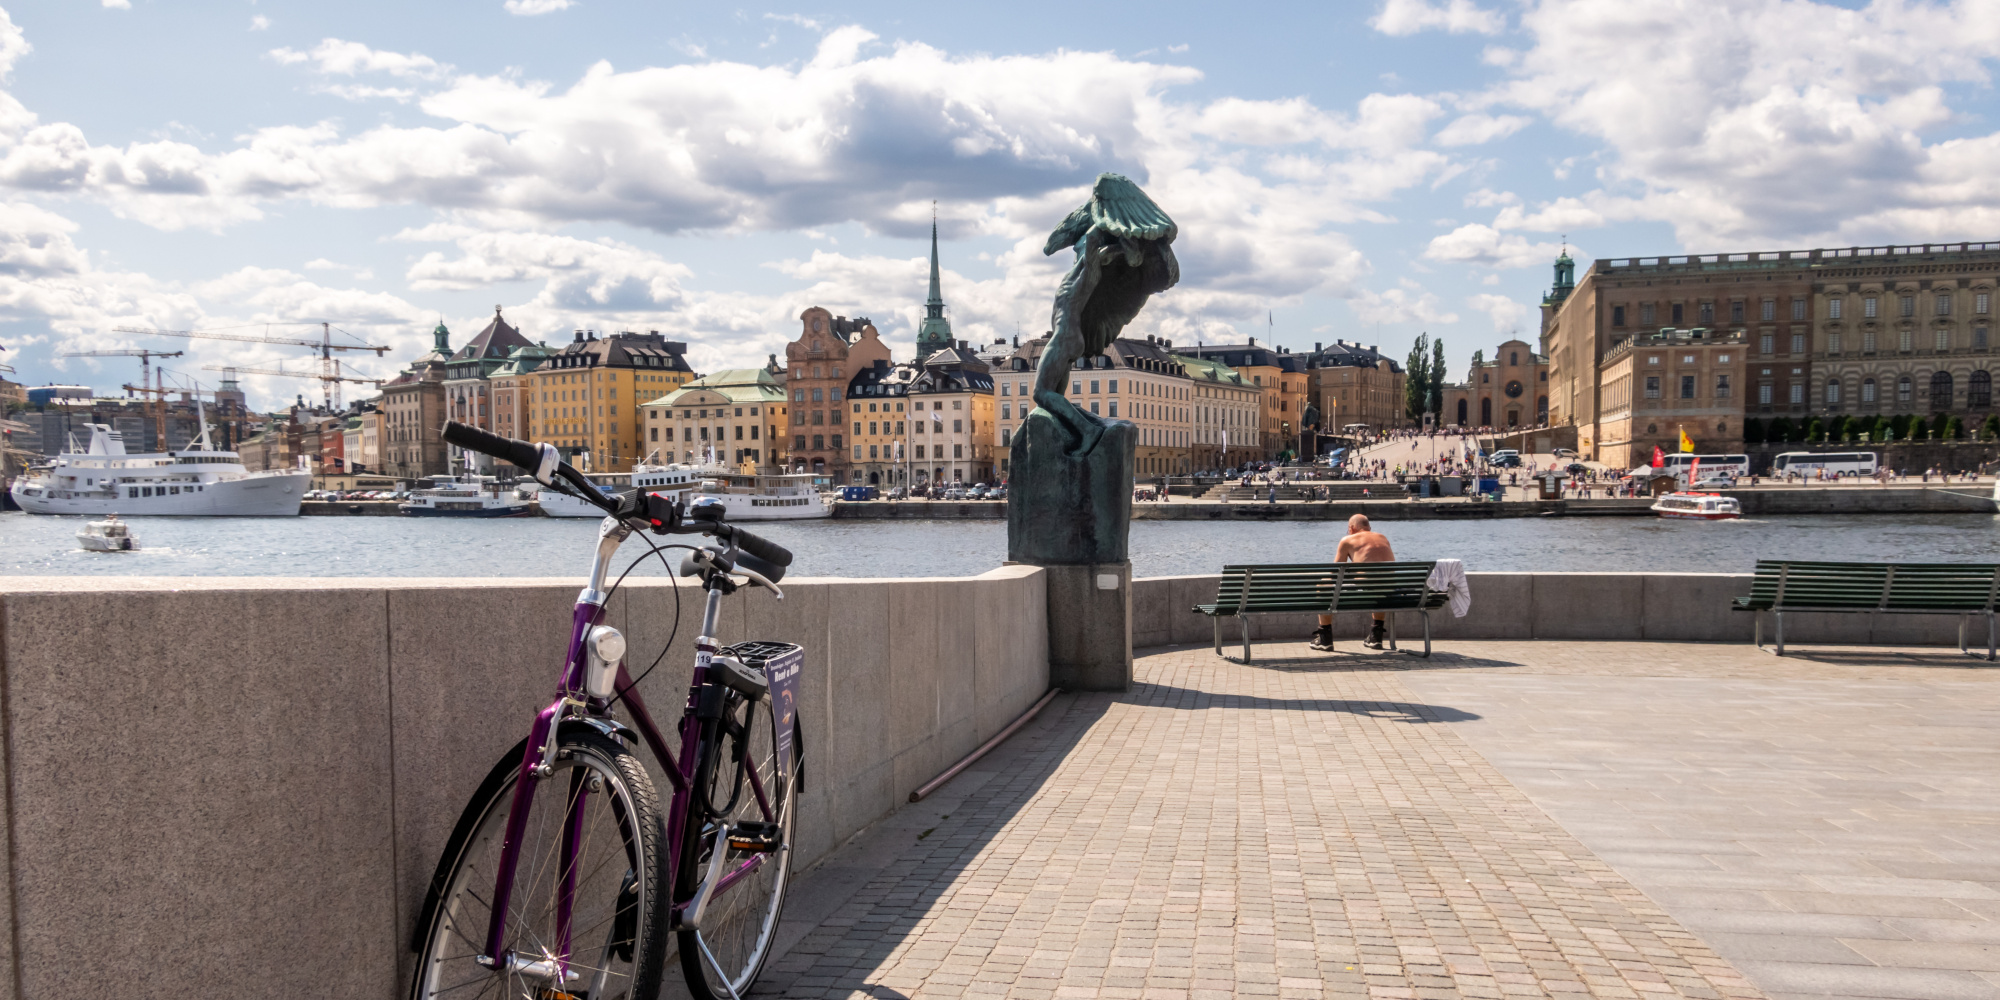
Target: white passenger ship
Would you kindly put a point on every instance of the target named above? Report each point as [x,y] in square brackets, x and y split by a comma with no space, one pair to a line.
[467,496]
[195,481]
[1698,506]
[667,480]
[765,498]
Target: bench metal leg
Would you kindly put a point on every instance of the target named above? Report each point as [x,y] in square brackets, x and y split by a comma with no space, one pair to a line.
[1217,622]
[1992,646]
[1961,633]
[1427,633]
[1390,617]
[1779,618]
[1245,619]
[1757,628]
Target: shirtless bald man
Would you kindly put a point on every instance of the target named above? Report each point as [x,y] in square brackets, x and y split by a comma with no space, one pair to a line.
[1362,544]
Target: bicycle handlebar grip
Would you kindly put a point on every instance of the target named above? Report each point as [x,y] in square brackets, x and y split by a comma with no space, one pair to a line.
[763,549]
[768,571]
[522,454]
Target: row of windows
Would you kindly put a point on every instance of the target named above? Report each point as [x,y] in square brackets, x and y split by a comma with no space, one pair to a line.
[818,442]
[1906,340]
[721,433]
[720,411]
[799,395]
[1687,387]
[1769,309]
[880,452]
[1978,389]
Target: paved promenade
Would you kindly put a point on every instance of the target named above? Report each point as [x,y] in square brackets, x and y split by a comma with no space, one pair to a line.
[1508,819]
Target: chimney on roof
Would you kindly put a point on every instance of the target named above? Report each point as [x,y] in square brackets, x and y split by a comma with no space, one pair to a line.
[579,336]
[1377,349]
[591,334]
[1253,342]
[1017,340]
[1318,347]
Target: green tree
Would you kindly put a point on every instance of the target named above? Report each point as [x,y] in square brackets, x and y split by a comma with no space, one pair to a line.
[1991,429]
[1780,430]
[1920,429]
[1899,425]
[1864,427]
[1954,429]
[1815,431]
[1753,431]
[1838,429]
[1437,378]
[1417,378]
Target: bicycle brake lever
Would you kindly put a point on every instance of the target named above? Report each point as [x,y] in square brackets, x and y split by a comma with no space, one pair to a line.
[757,578]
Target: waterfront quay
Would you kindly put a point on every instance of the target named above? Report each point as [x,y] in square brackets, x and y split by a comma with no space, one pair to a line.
[1595,787]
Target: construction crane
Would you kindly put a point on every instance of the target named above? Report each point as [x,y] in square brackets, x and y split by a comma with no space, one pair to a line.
[231,422]
[329,369]
[330,380]
[147,383]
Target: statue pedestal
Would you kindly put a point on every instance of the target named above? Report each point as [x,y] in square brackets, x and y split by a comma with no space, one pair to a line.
[1090,626]
[1070,514]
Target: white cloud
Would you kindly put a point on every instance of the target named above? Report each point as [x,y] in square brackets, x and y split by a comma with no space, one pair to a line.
[260,23]
[118,4]
[333,56]
[1406,303]
[1818,136]
[530,8]
[1473,129]
[1485,246]
[1508,316]
[1407,17]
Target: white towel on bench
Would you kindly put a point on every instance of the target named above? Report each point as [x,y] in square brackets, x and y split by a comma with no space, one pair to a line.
[1448,577]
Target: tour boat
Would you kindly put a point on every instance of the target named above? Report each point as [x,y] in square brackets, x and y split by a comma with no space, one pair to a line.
[765,498]
[670,480]
[467,496]
[195,481]
[1698,506]
[108,535]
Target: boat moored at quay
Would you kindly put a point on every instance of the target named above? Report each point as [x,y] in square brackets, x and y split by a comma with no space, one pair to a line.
[196,481]
[765,497]
[467,496]
[666,480]
[1698,507]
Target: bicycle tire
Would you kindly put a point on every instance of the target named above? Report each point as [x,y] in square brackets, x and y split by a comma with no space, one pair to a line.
[627,909]
[723,958]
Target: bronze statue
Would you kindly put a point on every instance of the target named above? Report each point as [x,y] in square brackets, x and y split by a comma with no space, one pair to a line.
[1070,489]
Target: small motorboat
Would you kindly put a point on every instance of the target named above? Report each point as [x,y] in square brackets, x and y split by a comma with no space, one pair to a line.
[1698,506]
[108,535]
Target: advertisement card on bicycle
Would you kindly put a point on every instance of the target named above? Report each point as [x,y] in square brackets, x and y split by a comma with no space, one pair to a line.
[782,671]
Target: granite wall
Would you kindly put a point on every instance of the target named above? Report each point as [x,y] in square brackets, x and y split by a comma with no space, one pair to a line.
[238,787]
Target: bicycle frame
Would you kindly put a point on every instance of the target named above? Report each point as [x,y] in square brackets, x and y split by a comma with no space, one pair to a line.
[537,763]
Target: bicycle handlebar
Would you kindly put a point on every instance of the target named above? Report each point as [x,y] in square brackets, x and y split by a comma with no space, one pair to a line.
[661,515]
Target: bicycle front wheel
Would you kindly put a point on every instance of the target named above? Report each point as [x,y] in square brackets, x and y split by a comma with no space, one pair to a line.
[599,810]
[722,957]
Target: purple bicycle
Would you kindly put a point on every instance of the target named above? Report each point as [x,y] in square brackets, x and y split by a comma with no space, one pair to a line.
[566,872]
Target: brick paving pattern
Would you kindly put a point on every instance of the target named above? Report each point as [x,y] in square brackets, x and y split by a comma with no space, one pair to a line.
[1304,827]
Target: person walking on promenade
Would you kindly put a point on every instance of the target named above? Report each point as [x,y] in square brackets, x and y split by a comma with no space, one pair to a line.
[1362,544]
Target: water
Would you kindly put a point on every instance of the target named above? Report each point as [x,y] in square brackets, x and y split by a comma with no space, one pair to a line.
[549,547]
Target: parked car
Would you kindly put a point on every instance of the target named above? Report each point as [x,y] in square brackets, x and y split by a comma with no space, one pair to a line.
[997,493]
[1576,468]
[1564,453]
[955,493]
[1505,460]
[853,494]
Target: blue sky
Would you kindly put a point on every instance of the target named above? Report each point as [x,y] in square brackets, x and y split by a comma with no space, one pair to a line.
[1359,171]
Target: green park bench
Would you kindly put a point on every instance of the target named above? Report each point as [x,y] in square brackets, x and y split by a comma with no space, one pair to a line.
[1962,589]
[1323,588]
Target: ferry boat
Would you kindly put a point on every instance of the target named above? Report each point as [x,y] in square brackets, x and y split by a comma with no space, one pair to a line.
[108,535]
[467,496]
[1698,506]
[756,497]
[671,480]
[195,481]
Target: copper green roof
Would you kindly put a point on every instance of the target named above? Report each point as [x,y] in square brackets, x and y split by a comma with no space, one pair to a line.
[739,385]
[1209,370]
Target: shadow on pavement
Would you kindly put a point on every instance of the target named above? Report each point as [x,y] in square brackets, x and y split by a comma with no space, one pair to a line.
[1166,696]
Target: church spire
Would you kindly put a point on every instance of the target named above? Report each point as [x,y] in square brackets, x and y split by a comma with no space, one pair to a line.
[935,333]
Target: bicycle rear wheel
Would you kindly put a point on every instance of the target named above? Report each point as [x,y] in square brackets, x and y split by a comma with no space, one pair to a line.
[616,935]
[721,958]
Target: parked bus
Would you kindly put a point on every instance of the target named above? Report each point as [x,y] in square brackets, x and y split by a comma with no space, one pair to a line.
[1680,463]
[1805,463]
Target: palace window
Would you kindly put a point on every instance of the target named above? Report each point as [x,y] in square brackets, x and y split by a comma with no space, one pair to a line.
[1769,310]
[1944,338]
[1798,343]
[1706,311]
[1941,390]
[1833,308]
[1798,392]
[1944,304]
[1764,393]
[1979,390]
[1869,308]
[1722,387]
[1646,314]
[1766,344]
[1652,387]
[1867,341]
[1978,338]
[1903,389]
[1677,313]
[1868,390]
[1909,305]
[1833,393]
[1981,303]
[1736,311]
[1617,315]
[1687,386]
[1906,341]
[1798,308]
[1833,343]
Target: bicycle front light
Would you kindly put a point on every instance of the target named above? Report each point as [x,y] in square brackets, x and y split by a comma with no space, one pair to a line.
[606,646]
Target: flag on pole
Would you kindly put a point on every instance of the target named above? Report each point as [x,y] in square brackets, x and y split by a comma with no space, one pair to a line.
[1658,458]
[1687,443]
[1694,473]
